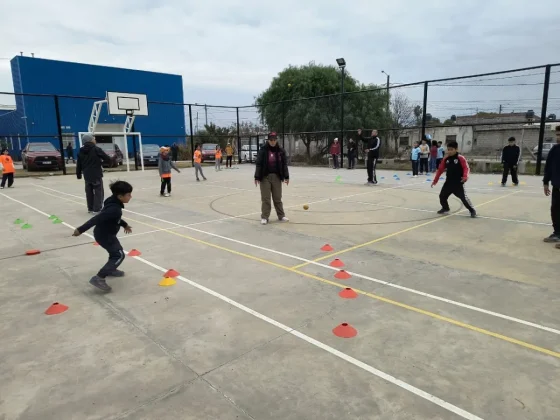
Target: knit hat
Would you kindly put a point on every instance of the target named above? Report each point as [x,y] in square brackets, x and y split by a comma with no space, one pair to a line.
[86,138]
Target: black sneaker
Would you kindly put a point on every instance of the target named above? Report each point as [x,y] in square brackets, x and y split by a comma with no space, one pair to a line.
[100,283]
[554,238]
[473,214]
[117,273]
[443,211]
[503,185]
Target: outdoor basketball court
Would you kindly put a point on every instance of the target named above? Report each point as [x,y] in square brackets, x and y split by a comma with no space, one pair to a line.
[455,317]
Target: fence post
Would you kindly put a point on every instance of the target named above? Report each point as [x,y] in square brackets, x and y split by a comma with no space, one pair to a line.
[239,139]
[59,131]
[134,149]
[424,111]
[342,118]
[251,152]
[192,135]
[543,118]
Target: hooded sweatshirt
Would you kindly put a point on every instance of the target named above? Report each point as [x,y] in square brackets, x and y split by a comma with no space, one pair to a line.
[90,162]
[164,166]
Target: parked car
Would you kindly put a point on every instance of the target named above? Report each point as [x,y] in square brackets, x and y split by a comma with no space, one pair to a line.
[208,151]
[41,156]
[114,152]
[546,148]
[248,155]
[151,153]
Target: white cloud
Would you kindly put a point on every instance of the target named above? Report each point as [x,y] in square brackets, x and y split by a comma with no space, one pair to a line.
[237,46]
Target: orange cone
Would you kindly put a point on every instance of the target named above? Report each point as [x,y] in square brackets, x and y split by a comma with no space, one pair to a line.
[327,247]
[342,275]
[56,308]
[134,253]
[345,331]
[171,273]
[336,263]
[32,252]
[348,293]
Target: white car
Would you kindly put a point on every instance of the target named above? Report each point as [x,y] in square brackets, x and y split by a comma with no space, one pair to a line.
[248,156]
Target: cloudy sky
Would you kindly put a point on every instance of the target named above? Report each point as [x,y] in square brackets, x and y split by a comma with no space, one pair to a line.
[228,51]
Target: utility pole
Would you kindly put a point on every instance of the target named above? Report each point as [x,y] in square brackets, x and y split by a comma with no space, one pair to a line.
[206,113]
[388,96]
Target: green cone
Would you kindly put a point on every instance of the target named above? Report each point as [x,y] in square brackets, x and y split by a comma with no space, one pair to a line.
[18,222]
[52,217]
[26,226]
[57,221]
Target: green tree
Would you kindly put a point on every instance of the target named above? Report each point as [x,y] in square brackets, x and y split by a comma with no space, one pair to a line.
[282,105]
[211,133]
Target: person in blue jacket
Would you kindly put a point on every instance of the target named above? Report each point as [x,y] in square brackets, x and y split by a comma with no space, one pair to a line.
[415,159]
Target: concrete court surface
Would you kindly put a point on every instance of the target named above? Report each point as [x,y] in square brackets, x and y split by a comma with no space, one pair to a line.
[457,318]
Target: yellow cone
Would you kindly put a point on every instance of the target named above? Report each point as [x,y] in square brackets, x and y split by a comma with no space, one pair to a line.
[166,281]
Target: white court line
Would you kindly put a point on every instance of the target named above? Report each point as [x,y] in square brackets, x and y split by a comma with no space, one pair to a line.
[372,279]
[358,363]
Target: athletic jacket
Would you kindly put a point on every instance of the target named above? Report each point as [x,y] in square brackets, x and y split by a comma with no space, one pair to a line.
[511,155]
[90,162]
[552,167]
[335,148]
[261,167]
[415,153]
[165,164]
[373,144]
[108,222]
[456,168]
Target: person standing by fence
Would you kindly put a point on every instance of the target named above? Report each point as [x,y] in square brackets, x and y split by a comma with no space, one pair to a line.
[424,156]
[510,159]
[414,158]
[70,153]
[433,156]
[351,154]
[90,163]
[174,152]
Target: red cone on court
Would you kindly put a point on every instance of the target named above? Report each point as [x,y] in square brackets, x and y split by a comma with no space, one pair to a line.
[171,273]
[56,308]
[345,330]
[348,293]
[336,263]
[342,275]
[327,247]
[32,252]
[134,253]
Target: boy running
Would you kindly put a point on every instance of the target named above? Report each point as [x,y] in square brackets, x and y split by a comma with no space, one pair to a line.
[164,166]
[7,168]
[107,224]
[197,163]
[457,173]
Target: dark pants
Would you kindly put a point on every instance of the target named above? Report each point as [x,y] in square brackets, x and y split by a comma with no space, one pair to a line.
[228,161]
[116,255]
[555,210]
[507,169]
[414,167]
[438,162]
[458,190]
[174,157]
[424,165]
[371,165]
[335,161]
[94,195]
[271,185]
[9,178]
[165,182]
[351,160]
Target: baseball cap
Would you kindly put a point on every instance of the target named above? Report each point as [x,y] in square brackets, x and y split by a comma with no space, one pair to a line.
[272,135]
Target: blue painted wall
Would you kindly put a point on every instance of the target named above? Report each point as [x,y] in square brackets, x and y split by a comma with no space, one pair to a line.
[35,115]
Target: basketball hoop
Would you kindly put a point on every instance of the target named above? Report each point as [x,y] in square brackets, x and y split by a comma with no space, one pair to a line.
[130,112]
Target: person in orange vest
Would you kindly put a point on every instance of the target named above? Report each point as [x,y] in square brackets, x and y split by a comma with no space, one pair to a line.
[197,163]
[8,169]
[165,165]
[229,155]
[218,158]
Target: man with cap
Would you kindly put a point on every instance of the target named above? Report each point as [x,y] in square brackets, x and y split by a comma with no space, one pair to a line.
[510,159]
[90,164]
[270,172]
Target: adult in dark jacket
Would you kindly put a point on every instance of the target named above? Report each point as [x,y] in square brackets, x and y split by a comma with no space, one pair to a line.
[552,176]
[373,144]
[90,164]
[270,172]
[174,152]
[70,153]
[510,159]
[351,154]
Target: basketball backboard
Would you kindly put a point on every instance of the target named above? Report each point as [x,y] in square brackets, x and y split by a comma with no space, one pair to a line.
[119,103]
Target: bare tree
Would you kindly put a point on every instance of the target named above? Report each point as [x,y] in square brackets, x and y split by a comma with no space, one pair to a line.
[402,116]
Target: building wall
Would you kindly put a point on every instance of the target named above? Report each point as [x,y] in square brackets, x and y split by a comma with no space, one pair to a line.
[36,115]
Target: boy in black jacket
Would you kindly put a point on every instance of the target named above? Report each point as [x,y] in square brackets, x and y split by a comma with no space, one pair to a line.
[373,144]
[552,175]
[510,159]
[107,225]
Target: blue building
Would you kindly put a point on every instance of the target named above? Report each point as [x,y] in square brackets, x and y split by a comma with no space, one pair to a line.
[78,86]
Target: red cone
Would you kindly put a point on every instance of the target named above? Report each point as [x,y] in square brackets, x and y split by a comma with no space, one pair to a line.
[56,308]
[348,293]
[32,252]
[171,273]
[134,253]
[96,244]
[327,247]
[336,263]
[345,331]
[342,275]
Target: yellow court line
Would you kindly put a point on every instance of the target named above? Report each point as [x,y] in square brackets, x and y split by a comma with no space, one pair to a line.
[352,248]
[361,292]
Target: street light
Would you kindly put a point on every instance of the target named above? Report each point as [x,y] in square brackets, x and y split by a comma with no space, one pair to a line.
[388,97]
[342,65]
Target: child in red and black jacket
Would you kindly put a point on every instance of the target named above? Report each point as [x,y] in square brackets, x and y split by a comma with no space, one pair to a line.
[457,173]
